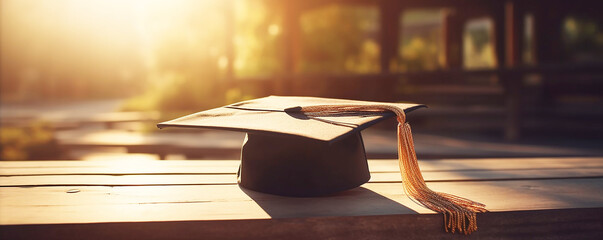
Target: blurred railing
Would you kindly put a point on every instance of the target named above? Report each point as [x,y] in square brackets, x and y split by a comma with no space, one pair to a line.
[511,90]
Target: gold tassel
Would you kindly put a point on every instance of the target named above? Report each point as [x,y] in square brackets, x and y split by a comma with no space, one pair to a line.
[459,213]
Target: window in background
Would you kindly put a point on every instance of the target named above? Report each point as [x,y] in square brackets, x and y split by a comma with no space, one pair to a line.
[478,44]
[339,39]
[420,45]
[583,39]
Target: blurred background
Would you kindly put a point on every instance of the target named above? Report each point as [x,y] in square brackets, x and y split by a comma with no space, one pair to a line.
[90,79]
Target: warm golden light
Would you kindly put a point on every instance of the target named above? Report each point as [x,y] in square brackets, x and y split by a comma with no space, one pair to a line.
[274,29]
[73,48]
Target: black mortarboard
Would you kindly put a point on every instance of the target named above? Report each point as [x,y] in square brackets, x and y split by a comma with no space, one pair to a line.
[287,152]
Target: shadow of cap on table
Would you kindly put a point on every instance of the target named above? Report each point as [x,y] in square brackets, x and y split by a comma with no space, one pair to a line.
[354,202]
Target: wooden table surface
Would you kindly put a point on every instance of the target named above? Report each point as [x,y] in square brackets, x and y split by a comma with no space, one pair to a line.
[560,198]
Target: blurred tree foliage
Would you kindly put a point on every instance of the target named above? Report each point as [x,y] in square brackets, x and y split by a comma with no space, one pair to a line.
[339,39]
[258,38]
[35,142]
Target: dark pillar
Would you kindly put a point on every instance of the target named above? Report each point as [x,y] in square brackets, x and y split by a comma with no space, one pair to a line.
[452,27]
[513,31]
[390,12]
[511,78]
[390,29]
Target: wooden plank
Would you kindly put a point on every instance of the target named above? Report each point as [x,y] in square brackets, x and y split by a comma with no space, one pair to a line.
[44,205]
[492,164]
[117,167]
[549,224]
[127,180]
[163,179]
[14,168]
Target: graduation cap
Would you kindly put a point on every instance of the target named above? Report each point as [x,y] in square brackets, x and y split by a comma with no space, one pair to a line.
[308,146]
[287,152]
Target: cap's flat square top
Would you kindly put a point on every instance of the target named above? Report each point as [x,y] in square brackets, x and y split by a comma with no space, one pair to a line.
[267,116]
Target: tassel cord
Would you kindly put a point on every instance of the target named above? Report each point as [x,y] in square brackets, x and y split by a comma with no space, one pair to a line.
[459,213]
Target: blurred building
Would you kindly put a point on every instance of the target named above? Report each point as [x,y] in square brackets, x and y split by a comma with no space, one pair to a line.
[517,66]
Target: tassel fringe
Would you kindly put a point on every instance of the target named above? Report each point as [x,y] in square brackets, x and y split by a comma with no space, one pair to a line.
[459,213]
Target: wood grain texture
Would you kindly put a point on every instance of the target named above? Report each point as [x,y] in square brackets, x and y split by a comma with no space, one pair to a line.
[219,202]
